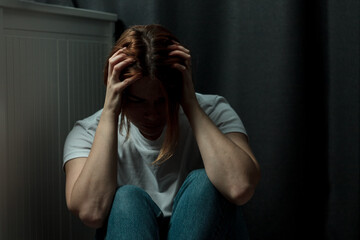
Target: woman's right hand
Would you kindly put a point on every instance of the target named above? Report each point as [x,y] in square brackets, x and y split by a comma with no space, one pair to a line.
[117,63]
[91,182]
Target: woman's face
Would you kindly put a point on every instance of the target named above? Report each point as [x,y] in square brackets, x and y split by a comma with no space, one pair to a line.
[146,107]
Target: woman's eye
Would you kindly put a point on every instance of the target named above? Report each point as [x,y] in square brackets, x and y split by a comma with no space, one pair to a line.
[134,100]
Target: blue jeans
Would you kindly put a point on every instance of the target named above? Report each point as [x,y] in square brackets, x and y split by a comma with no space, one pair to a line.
[199,212]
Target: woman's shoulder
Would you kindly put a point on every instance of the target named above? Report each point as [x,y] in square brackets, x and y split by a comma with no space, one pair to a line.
[210,101]
[90,122]
[201,97]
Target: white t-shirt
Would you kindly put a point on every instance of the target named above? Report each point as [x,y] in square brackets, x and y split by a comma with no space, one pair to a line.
[161,182]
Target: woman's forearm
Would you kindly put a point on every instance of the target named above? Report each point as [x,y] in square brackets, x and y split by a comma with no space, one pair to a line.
[232,170]
[92,194]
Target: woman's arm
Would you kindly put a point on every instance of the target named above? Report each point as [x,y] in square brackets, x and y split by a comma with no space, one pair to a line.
[228,159]
[91,182]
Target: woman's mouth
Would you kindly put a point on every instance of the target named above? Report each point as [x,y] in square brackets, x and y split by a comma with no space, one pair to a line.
[151,126]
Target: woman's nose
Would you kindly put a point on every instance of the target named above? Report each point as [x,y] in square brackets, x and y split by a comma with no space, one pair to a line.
[152,112]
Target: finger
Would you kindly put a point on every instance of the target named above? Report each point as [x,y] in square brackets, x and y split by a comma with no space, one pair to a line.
[115,57]
[120,86]
[115,60]
[115,73]
[179,67]
[118,53]
[121,50]
[179,47]
[181,54]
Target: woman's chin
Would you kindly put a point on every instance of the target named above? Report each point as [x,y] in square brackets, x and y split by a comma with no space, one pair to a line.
[151,134]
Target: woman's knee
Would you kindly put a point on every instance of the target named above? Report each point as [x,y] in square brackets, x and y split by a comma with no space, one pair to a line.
[132,206]
[211,213]
[128,198]
[199,182]
[128,193]
[197,187]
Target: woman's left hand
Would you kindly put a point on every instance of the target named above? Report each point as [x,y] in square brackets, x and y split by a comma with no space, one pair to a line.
[188,99]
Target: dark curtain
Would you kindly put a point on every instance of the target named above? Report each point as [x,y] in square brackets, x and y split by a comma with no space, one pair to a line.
[291,70]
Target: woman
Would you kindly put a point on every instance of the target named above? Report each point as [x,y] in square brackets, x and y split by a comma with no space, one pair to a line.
[159,160]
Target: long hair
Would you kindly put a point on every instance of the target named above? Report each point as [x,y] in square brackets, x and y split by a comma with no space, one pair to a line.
[148,45]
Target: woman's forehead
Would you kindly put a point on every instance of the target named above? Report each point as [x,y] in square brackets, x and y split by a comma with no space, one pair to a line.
[146,88]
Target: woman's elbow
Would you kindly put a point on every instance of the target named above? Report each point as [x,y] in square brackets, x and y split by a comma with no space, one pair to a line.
[91,218]
[242,193]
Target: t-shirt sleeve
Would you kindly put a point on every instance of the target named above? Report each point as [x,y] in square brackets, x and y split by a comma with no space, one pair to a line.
[78,142]
[224,116]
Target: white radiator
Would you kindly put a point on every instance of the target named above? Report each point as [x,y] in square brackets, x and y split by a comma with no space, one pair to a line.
[51,68]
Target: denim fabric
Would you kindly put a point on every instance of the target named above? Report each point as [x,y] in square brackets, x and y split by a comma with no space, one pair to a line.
[199,212]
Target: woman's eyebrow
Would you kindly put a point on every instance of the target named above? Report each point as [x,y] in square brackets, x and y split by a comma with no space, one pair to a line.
[136,97]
